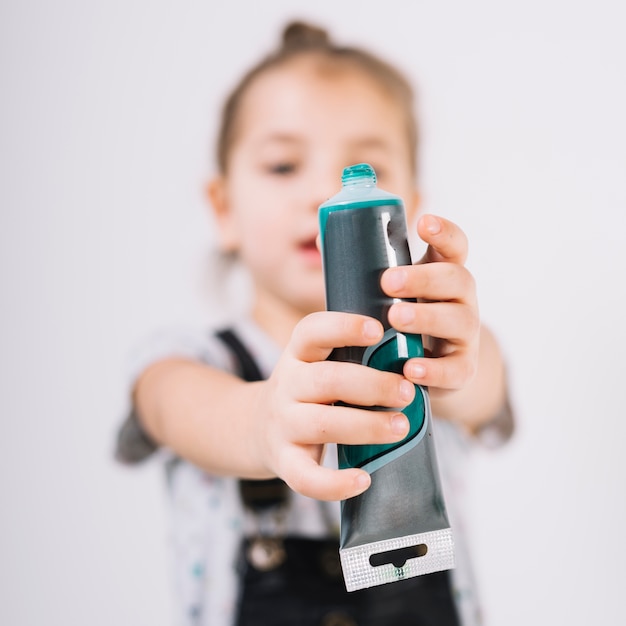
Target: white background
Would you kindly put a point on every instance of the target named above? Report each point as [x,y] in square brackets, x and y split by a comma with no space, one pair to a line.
[107,113]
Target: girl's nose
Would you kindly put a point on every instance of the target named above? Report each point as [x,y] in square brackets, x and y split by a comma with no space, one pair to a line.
[324,186]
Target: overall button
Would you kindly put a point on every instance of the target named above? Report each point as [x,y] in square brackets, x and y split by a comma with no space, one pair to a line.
[266,554]
[338,618]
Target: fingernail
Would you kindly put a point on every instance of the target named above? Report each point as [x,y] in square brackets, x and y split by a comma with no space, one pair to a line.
[433,225]
[405,313]
[362,481]
[399,424]
[416,370]
[407,390]
[396,279]
[371,329]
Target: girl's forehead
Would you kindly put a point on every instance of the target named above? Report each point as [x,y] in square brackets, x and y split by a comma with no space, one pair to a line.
[312,106]
[311,87]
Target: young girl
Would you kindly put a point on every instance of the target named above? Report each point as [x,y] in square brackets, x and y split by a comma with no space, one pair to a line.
[288,129]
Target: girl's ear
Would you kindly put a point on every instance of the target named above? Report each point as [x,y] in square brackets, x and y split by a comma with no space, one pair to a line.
[217,195]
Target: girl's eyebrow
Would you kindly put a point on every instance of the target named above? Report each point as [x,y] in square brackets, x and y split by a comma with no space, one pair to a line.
[279,137]
[371,142]
[288,138]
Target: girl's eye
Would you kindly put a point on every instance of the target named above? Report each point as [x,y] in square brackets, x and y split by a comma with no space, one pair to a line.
[379,168]
[282,169]
[380,172]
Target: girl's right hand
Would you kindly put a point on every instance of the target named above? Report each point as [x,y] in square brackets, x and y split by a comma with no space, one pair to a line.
[298,414]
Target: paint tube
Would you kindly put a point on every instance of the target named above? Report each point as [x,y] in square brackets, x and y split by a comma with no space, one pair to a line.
[399,527]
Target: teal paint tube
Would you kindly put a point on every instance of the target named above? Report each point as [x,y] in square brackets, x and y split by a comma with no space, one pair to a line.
[399,527]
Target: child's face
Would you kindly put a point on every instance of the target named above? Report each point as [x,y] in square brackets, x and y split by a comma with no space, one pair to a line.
[298,128]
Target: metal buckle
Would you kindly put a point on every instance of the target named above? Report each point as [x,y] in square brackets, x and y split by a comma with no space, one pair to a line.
[266,553]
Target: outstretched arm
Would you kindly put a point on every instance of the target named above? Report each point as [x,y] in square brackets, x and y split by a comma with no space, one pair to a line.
[279,427]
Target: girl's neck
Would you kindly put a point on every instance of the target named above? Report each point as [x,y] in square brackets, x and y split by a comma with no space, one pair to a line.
[276,317]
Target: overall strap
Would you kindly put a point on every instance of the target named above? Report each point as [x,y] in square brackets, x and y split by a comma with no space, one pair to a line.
[255,494]
[249,369]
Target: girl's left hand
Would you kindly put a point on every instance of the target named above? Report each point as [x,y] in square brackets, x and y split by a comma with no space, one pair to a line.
[446,311]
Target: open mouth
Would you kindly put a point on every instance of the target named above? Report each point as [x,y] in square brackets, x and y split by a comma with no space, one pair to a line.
[309,251]
[308,246]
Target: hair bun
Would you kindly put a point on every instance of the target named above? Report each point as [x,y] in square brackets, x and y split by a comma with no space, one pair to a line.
[299,35]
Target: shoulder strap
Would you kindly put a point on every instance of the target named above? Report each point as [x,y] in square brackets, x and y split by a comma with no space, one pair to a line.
[249,369]
[255,494]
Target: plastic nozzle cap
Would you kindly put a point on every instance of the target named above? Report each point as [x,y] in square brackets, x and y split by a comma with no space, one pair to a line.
[359,174]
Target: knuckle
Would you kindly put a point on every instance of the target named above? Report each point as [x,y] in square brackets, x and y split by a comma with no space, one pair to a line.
[439,373]
[302,326]
[468,370]
[318,424]
[429,315]
[462,372]
[380,388]
[351,326]
[392,390]
[462,278]
[297,481]
[323,377]
[472,322]
[448,373]
[466,324]
[427,278]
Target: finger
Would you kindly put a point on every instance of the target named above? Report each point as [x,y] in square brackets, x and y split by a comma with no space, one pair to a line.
[325,382]
[432,281]
[446,241]
[454,322]
[452,371]
[317,334]
[320,424]
[309,478]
